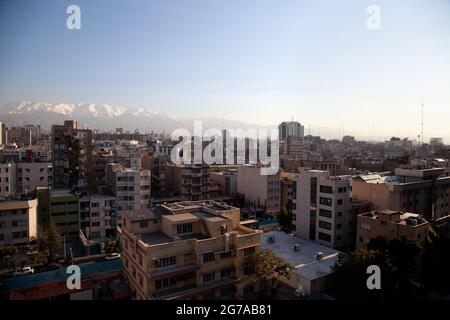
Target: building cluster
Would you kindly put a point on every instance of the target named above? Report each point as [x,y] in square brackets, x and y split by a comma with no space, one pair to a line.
[187,230]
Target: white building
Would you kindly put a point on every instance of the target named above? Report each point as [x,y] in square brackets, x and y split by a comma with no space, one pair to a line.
[7,179]
[322,208]
[130,186]
[98,217]
[312,262]
[18,221]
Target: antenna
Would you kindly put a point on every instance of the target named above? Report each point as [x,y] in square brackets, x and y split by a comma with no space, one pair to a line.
[421,134]
[373,133]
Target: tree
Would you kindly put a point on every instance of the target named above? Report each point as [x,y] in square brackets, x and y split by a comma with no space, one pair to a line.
[112,246]
[285,218]
[268,269]
[349,279]
[436,261]
[49,241]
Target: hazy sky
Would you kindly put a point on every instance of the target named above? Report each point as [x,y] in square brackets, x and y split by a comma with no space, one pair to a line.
[254,60]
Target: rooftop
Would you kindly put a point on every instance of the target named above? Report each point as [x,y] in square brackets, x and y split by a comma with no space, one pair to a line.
[140,215]
[305,261]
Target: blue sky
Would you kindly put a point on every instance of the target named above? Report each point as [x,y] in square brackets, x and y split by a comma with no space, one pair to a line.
[258,61]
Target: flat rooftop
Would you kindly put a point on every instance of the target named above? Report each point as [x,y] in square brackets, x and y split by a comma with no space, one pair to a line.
[305,261]
[141,215]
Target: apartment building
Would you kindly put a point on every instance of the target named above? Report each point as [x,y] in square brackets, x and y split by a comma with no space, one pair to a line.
[227,180]
[7,179]
[131,187]
[98,217]
[259,191]
[3,134]
[18,221]
[286,186]
[187,250]
[322,208]
[190,182]
[72,155]
[31,175]
[390,225]
[290,128]
[61,207]
[424,191]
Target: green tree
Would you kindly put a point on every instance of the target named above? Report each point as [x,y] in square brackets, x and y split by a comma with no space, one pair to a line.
[349,279]
[112,246]
[49,241]
[268,269]
[285,218]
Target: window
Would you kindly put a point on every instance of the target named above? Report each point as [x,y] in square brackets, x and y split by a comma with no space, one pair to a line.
[95,224]
[365,226]
[208,257]
[184,228]
[2,237]
[226,273]
[325,225]
[225,255]
[248,269]
[143,224]
[165,262]
[325,237]
[326,189]
[208,277]
[225,292]
[325,213]
[19,235]
[340,201]
[209,296]
[339,214]
[326,201]
[339,226]
[165,283]
[294,217]
[249,251]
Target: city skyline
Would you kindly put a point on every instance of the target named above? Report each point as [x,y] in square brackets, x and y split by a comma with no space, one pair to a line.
[320,65]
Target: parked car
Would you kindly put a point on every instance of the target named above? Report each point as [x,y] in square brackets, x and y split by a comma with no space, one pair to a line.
[24,271]
[113,256]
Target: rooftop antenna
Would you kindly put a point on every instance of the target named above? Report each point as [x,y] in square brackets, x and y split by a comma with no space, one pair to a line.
[373,133]
[421,134]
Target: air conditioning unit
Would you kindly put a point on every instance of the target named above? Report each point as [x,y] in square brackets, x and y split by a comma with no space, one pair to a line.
[319,255]
[297,247]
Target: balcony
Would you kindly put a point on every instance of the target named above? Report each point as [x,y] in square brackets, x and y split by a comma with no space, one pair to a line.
[174,270]
[184,292]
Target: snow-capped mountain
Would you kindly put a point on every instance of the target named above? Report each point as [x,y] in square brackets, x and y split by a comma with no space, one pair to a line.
[104,117]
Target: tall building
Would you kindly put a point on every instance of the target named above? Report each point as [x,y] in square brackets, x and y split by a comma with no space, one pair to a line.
[322,208]
[131,187]
[188,250]
[390,225]
[72,155]
[290,128]
[18,221]
[3,134]
[259,191]
[422,191]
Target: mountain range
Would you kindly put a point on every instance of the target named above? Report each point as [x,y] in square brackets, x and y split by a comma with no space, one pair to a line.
[106,117]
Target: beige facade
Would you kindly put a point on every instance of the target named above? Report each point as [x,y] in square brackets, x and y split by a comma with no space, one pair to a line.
[390,225]
[259,191]
[31,175]
[18,221]
[190,182]
[187,250]
[419,191]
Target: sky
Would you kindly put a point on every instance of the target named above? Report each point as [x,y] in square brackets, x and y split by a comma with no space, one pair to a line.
[257,61]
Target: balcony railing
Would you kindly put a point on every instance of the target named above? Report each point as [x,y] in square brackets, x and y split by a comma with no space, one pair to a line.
[163,271]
